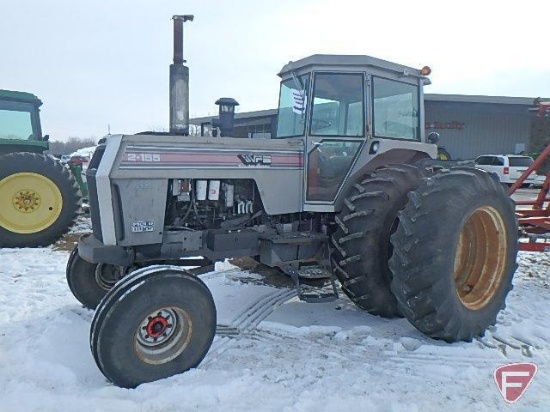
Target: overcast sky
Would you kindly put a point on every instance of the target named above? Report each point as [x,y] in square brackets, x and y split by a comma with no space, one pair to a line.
[100,63]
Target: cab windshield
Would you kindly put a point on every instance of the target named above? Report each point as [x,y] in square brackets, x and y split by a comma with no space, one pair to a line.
[16,121]
[291,120]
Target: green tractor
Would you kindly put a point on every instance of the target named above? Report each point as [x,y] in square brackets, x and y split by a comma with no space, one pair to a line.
[39,197]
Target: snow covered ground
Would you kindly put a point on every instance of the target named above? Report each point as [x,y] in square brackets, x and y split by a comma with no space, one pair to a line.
[272,352]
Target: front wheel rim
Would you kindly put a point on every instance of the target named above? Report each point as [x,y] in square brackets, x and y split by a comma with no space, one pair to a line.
[163,335]
[480,259]
[106,275]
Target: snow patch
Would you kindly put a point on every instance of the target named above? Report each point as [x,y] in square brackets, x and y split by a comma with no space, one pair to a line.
[298,357]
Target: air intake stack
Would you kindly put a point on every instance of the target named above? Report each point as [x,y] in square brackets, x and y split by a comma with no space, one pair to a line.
[179,82]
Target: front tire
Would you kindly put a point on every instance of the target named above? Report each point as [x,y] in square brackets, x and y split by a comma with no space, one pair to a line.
[157,322]
[361,240]
[455,254]
[90,282]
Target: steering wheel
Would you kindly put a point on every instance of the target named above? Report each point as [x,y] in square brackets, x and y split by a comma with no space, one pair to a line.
[320,124]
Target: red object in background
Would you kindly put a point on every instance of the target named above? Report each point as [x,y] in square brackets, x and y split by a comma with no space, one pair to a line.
[534,223]
[544,109]
[78,160]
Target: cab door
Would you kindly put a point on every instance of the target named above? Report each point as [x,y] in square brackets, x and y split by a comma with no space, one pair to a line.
[336,132]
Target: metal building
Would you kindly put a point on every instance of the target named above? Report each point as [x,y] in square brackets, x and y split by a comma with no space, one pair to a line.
[468,126]
[473,125]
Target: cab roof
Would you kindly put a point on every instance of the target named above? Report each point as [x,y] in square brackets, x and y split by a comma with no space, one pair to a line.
[19,97]
[353,62]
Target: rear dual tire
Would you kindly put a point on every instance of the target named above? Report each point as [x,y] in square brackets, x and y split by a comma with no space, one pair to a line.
[454,254]
[361,241]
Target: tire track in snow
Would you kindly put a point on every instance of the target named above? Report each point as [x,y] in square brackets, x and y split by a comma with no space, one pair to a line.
[429,355]
[508,344]
[246,323]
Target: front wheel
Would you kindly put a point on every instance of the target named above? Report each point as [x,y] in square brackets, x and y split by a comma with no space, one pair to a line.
[157,322]
[455,254]
[89,282]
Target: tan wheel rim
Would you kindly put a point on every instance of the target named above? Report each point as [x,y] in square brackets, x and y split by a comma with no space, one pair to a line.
[163,335]
[480,258]
[29,203]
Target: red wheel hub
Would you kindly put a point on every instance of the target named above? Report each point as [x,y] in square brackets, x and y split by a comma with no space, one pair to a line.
[157,326]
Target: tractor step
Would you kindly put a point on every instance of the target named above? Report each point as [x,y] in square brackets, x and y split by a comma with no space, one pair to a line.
[313,284]
[314,272]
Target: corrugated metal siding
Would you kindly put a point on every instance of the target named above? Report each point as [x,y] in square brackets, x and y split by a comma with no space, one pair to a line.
[488,128]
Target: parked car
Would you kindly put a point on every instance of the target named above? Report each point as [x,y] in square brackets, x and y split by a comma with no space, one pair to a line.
[508,167]
[65,158]
[539,180]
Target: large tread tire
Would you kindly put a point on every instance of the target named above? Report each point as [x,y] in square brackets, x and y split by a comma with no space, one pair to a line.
[155,323]
[361,240]
[46,221]
[90,282]
[455,254]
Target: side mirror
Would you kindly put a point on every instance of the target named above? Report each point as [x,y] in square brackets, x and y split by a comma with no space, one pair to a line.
[46,138]
[433,137]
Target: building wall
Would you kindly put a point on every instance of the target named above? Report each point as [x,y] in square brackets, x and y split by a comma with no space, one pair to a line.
[261,128]
[540,134]
[468,130]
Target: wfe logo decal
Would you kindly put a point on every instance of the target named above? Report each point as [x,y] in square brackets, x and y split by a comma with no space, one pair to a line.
[254,160]
[513,379]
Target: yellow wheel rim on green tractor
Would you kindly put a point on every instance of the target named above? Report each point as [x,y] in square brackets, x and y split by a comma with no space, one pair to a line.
[29,203]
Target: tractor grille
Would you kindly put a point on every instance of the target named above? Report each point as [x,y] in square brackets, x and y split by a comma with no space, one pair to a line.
[92,192]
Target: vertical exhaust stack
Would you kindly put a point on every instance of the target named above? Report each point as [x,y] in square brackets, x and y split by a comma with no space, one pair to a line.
[179,82]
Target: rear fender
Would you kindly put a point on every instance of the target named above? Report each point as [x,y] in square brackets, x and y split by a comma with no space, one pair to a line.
[370,162]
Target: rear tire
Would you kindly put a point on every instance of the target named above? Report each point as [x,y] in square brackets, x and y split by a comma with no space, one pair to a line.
[39,200]
[455,254]
[157,322]
[361,240]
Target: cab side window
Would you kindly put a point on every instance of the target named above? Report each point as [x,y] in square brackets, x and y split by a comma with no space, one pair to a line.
[396,109]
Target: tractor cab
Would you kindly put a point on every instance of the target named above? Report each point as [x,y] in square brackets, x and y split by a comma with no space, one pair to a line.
[343,105]
[20,123]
